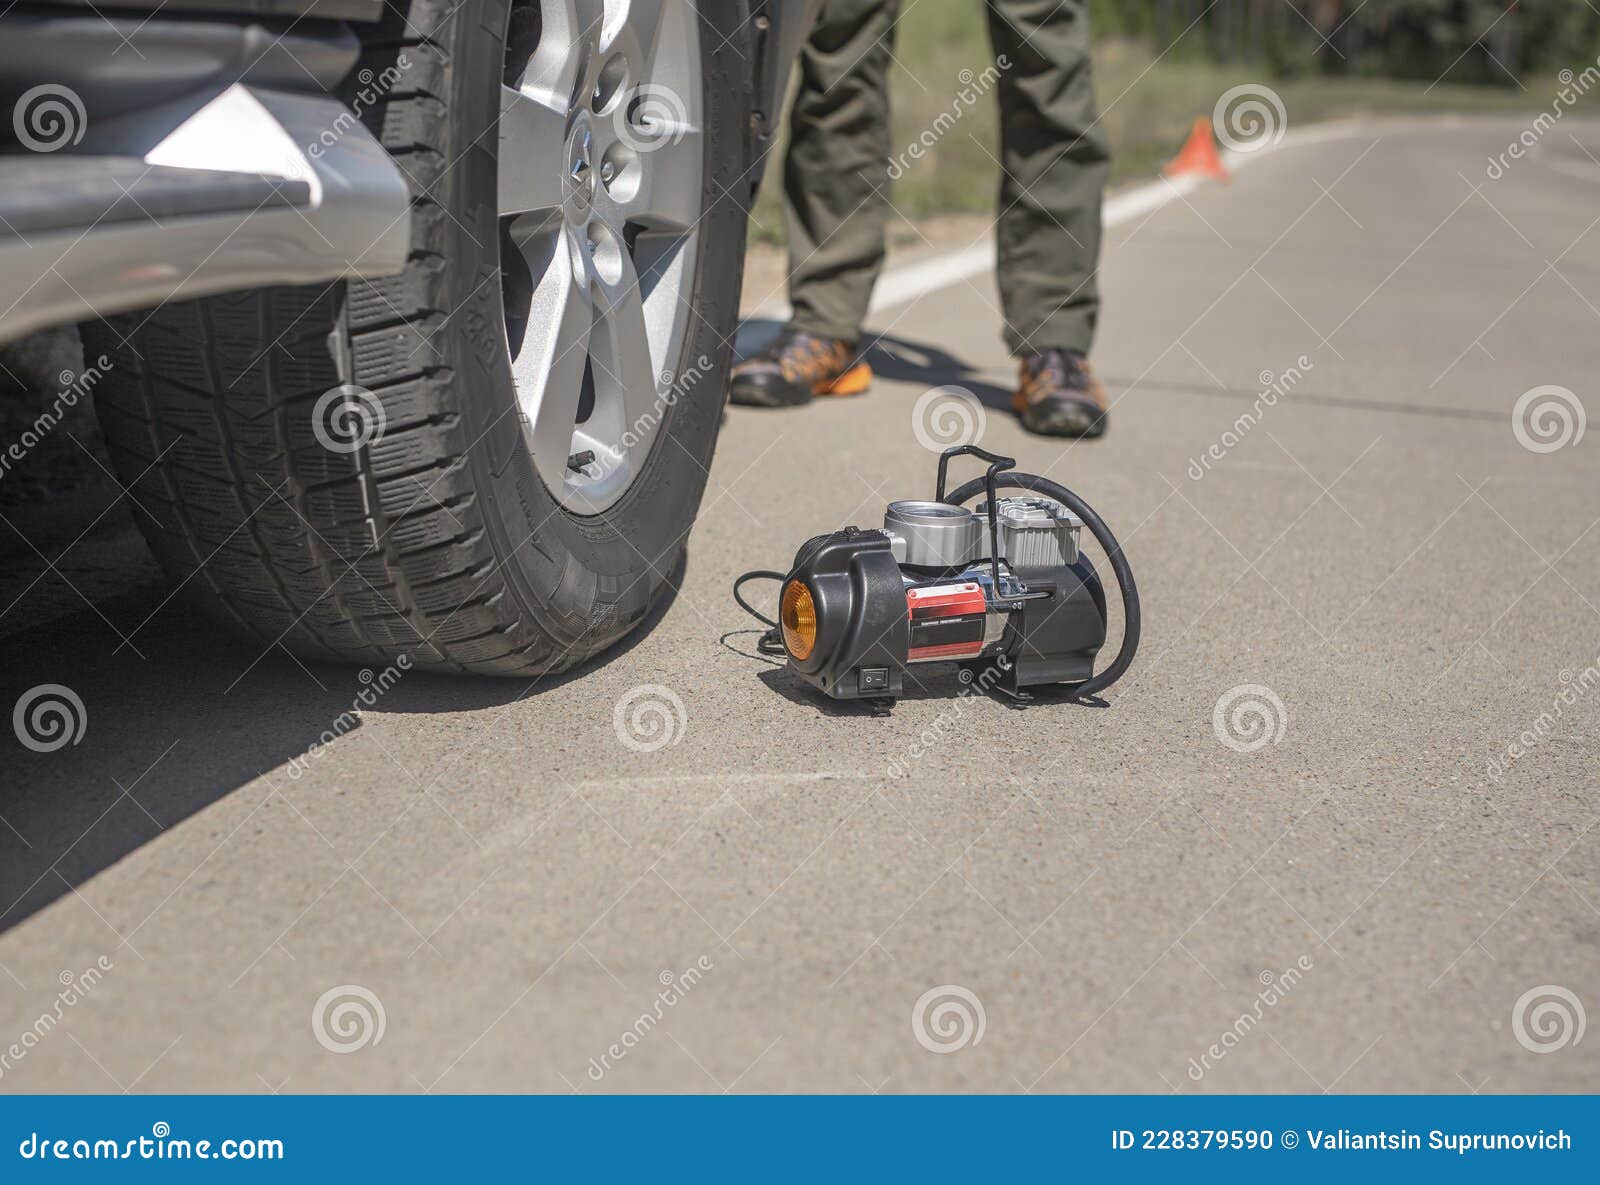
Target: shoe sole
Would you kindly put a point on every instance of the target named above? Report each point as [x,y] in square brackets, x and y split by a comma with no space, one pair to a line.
[1060,418]
[753,395]
[854,381]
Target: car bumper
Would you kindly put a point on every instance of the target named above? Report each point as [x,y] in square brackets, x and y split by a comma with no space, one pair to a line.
[358,10]
[215,159]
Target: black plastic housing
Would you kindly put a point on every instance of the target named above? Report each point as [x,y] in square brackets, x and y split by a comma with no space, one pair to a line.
[1056,638]
[863,630]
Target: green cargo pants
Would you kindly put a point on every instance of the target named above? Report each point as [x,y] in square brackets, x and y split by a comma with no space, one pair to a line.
[1053,154]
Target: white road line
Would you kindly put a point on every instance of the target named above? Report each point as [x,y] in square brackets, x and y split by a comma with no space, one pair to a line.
[901,284]
[1573,168]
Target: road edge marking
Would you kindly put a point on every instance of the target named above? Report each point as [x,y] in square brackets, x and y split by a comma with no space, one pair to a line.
[900,285]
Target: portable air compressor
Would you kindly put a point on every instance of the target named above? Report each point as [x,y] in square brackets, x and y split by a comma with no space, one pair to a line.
[1002,590]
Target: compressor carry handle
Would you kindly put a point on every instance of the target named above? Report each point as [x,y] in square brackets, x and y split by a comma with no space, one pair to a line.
[998,464]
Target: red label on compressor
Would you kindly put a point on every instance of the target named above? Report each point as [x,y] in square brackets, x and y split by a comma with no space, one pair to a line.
[947,621]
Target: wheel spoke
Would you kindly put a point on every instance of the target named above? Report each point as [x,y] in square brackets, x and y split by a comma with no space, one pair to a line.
[670,49]
[532,142]
[590,17]
[623,371]
[571,26]
[568,33]
[672,186]
[659,120]
[549,369]
[631,26]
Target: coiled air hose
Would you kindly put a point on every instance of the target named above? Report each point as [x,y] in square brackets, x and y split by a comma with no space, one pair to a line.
[1034,484]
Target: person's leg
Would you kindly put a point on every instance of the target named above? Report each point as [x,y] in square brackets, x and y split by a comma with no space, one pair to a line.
[836,172]
[1055,158]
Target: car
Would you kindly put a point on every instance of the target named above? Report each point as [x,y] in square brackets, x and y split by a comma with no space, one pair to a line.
[407,322]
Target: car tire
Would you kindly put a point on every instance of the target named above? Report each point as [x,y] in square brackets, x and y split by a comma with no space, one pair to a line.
[426,528]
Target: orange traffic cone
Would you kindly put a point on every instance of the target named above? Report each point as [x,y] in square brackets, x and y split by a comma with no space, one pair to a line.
[1198,156]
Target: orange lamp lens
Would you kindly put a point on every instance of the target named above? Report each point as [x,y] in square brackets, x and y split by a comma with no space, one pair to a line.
[797,613]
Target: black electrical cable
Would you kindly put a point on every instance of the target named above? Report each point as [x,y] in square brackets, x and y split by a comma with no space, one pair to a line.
[770,642]
[1097,527]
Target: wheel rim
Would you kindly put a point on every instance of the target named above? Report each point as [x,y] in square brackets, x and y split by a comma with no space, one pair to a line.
[601,193]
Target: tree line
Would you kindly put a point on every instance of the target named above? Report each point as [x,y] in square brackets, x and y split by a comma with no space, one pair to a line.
[1492,42]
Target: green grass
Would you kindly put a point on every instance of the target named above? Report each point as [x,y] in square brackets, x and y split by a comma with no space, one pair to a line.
[1147,108]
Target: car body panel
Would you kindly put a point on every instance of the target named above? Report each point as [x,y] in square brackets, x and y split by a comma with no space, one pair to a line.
[360,10]
[220,87]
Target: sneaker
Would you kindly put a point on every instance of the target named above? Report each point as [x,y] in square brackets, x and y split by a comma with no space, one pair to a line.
[797,367]
[1058,395]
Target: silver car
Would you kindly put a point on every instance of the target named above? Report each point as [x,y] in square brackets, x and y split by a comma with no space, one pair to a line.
[407,321]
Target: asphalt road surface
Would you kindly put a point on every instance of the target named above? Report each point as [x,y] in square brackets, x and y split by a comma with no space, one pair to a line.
[493,886]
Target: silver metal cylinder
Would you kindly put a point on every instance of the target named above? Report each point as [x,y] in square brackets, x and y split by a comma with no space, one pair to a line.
[934,534]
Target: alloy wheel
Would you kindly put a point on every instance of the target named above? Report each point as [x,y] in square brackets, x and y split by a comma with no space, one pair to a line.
[601,192]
